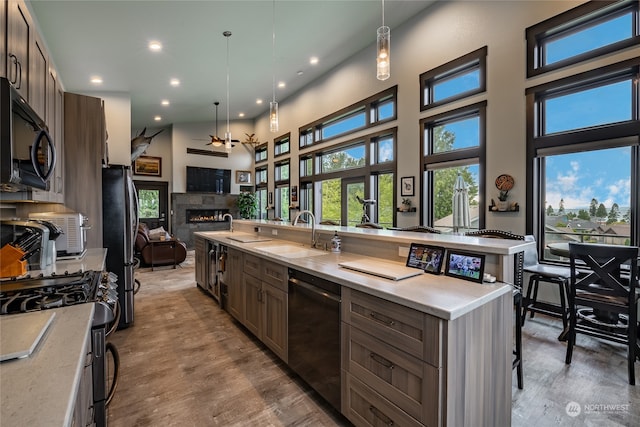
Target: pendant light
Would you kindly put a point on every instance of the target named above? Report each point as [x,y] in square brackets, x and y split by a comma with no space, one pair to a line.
[215,141]
[383,58]
[273,105]
[227,134]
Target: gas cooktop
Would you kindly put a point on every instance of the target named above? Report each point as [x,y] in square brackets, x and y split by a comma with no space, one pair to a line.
[33,294]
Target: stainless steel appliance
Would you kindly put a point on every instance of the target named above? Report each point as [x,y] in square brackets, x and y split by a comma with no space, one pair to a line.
[35,238]
[222,277]
[211,280]
[314,333]
[120,222]
[73,241]
[34,294]
[27,152]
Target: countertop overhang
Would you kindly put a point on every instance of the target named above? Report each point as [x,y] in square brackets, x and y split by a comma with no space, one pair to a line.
[439,295]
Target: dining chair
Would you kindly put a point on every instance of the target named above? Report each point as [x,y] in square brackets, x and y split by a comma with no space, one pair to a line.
[369,225]
[419,229]
[518,280]
[603,301]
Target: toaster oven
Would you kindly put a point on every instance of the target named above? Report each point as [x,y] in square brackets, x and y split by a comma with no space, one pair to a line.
[72,242]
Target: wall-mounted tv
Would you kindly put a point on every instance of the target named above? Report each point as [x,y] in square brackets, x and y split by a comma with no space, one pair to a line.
[208,180]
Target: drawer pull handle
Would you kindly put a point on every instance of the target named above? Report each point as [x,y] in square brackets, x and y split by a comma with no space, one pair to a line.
[381,360]
[376,413]
[375,316]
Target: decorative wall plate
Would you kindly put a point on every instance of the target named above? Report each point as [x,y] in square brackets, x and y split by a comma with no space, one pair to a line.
[504,182]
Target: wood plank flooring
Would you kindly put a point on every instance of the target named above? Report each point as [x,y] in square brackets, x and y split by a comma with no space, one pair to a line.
[185,362]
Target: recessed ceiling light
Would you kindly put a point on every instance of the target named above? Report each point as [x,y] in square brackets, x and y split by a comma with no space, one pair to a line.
[157,118]
[174,82]
[240,114]
[281,84]
[155,46]
[259,101]
[313,60]
[165,102]
[96,80]
[300,72]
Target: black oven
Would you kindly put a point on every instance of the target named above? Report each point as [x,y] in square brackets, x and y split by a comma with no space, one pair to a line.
[27,153]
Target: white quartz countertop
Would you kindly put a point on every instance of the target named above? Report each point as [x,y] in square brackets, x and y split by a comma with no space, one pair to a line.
[41,390]
[93,260]
[442,296]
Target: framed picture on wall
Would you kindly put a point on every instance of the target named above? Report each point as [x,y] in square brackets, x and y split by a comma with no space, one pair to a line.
[148,165]
[406,186]
[243,177]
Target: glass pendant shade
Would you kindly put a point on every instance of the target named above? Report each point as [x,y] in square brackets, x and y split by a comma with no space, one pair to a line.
[273,116]
[383,53]
[227,141]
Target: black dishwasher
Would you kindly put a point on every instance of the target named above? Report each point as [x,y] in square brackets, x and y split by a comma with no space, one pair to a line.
[314,333]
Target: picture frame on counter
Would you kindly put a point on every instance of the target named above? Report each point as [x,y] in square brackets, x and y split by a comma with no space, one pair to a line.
[426,257]
[406,186]
[148,166]
[465,265]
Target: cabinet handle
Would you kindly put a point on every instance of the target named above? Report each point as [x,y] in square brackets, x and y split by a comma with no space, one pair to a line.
[259,295]
[375,316]
[19,76]
[381,360]
[376,413]
[14,60]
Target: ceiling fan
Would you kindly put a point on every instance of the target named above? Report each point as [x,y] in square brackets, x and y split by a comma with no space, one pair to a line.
[215,140]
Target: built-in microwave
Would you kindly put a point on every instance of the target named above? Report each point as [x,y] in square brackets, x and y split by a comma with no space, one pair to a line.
[27,152]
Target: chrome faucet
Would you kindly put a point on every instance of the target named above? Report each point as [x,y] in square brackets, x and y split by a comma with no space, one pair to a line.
[313,225]
[230,221]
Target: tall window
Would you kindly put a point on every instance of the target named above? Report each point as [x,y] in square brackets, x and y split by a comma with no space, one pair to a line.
[281,201]
[583,148]
[453,144]
[261,153]
[460,78]
[261,191]
[592,29]
[333,177]
[369,112]
[281,145]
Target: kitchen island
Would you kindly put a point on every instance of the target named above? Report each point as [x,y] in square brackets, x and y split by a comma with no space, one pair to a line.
[447,342]
[44,389]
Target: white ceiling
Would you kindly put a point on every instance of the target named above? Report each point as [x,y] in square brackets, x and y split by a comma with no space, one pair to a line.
[110,38]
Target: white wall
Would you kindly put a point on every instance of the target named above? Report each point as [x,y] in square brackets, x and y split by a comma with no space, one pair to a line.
[196,135]
[440,34]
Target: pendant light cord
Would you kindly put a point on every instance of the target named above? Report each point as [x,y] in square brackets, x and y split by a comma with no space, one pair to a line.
[227,36]
[273,51]
[383,13]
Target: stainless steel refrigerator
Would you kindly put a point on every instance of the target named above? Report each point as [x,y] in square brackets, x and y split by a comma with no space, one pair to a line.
[120,222]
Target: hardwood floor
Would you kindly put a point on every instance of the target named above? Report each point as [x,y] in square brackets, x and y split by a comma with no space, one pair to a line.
[186,362]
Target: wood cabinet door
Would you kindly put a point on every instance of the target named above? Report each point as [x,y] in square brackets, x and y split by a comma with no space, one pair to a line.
[19,34]
[253,305]
[38,76]
[235,287]
[274,320]
[201,260]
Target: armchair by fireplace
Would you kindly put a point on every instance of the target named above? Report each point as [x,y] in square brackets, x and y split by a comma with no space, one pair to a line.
[155,251]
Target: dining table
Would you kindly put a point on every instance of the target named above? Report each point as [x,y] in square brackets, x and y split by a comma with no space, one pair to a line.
[560,249]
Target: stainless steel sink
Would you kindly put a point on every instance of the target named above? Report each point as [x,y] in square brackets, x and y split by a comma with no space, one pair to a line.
[291,251]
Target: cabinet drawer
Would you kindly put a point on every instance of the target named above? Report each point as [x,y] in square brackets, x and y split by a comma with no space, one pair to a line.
[410,330]
[404,380]
[252,265]
[275,274]
[364,407]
